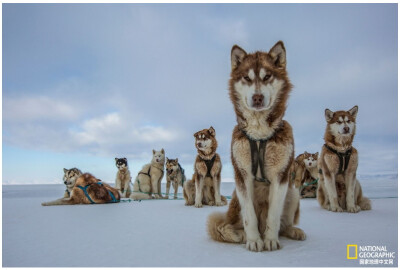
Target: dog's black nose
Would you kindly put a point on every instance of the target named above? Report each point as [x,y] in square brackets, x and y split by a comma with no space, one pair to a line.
[346,129]
[258,100]
[65,182]
[199,145]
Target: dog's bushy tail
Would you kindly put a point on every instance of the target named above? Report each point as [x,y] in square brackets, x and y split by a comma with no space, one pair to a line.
[139,196]
[364,203]
[220,230]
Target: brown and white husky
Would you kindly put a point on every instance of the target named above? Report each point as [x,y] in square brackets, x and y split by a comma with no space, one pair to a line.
[338,189]
[265,204]
[205,184]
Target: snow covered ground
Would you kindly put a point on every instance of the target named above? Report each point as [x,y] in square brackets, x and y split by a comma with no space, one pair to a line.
[163,233]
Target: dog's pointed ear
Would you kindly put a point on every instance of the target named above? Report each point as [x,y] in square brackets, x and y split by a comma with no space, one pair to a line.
[328,115]
[237,56]
[162,151]
[154,151]
[278,54]
[116,159]
[65,170]
[305,153]
[353,111]
[195,135]
[211,130]
[176,160]
[125,159]
[167,159]
[317,154]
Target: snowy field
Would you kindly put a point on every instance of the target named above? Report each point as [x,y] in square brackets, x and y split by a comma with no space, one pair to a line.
[165,233]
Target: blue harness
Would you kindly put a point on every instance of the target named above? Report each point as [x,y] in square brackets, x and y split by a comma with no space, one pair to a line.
[113,200]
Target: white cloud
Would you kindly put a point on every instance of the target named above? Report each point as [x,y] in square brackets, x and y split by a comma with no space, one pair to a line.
[115,130]
[24,109]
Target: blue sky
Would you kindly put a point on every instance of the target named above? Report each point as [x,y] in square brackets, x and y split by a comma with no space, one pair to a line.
[85,83]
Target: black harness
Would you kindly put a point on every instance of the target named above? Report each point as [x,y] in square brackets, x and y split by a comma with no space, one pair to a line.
[344,158]
[148,174]
[257,158]
[209,163]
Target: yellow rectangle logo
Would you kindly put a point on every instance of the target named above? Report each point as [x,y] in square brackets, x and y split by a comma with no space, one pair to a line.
[355,252]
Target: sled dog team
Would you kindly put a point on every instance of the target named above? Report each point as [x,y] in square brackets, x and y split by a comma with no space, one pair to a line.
[269,180]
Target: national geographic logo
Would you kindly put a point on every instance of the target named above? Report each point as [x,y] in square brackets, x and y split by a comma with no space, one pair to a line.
[371,255]
[352,252]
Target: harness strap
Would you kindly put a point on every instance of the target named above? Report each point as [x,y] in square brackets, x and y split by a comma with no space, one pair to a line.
[209,164]
[257,159]
[344,158]
[113,199]
[85,191]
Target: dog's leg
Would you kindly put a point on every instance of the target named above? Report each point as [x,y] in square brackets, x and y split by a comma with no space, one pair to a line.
[62,201]
[350,181]
[217,195]
[250,222]
[126,187]
[167,191]
[277,194]
[154,187]
[330,186]
[176,186]
[199,184]
[159,186]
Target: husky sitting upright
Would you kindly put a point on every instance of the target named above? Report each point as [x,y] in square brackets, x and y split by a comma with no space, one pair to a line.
[309,182]
[175,175]
[206,180]
[338,165]
[147,184]
[264,204]
[69,178]
[123,178]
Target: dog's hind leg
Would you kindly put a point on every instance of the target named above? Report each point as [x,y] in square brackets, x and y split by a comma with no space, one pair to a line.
[290,216]
[141,191]
[62,201]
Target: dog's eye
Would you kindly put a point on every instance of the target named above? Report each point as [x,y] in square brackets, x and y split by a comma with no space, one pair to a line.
[339,122]
[266,77]
[348,121]
[247,78]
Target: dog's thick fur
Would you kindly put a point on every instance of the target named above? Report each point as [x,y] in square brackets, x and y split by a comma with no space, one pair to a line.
[259,212]
[147,184]
[69,179]
[206,183]
[123,178]
[337,191]
[175,176]
[98,193]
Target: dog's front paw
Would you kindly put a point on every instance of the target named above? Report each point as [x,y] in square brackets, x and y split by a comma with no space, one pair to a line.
[211,203]
[166,197]
[157,196]
[175,197]
[256,245]
[220,203]
[271,244]
[198,205]
[354,209]
[335,209]
[45,204]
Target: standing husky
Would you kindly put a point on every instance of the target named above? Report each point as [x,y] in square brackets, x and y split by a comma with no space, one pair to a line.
[207,171]
[338,165]
[123,178]
[175,175]
[88,190]
[69,178]
[264,204]
[148,180]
